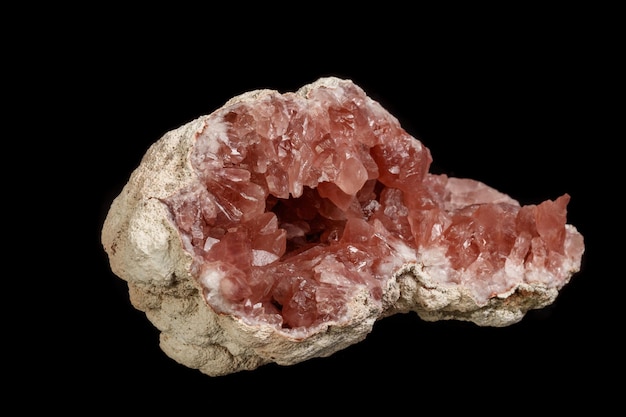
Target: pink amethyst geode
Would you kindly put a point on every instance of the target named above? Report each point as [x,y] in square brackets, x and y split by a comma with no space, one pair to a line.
[282,226]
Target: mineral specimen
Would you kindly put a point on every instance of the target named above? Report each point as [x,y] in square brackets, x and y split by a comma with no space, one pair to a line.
[282,226]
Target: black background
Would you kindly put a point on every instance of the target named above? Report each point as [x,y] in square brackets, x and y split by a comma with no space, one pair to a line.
[510,99]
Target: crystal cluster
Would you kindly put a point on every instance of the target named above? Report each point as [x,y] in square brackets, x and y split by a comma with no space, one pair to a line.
[281,226]
[302,200]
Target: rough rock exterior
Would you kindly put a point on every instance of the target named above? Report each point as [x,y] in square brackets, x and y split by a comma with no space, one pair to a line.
[282,226]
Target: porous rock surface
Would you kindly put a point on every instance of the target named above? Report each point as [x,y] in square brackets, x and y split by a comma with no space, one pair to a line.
[282,226]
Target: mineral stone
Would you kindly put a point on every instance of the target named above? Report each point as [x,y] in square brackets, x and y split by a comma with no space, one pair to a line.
[282,226]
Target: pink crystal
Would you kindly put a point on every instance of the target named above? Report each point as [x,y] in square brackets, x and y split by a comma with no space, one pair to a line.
[302,201]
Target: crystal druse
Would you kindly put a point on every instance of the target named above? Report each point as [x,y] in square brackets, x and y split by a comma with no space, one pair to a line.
[281,226]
